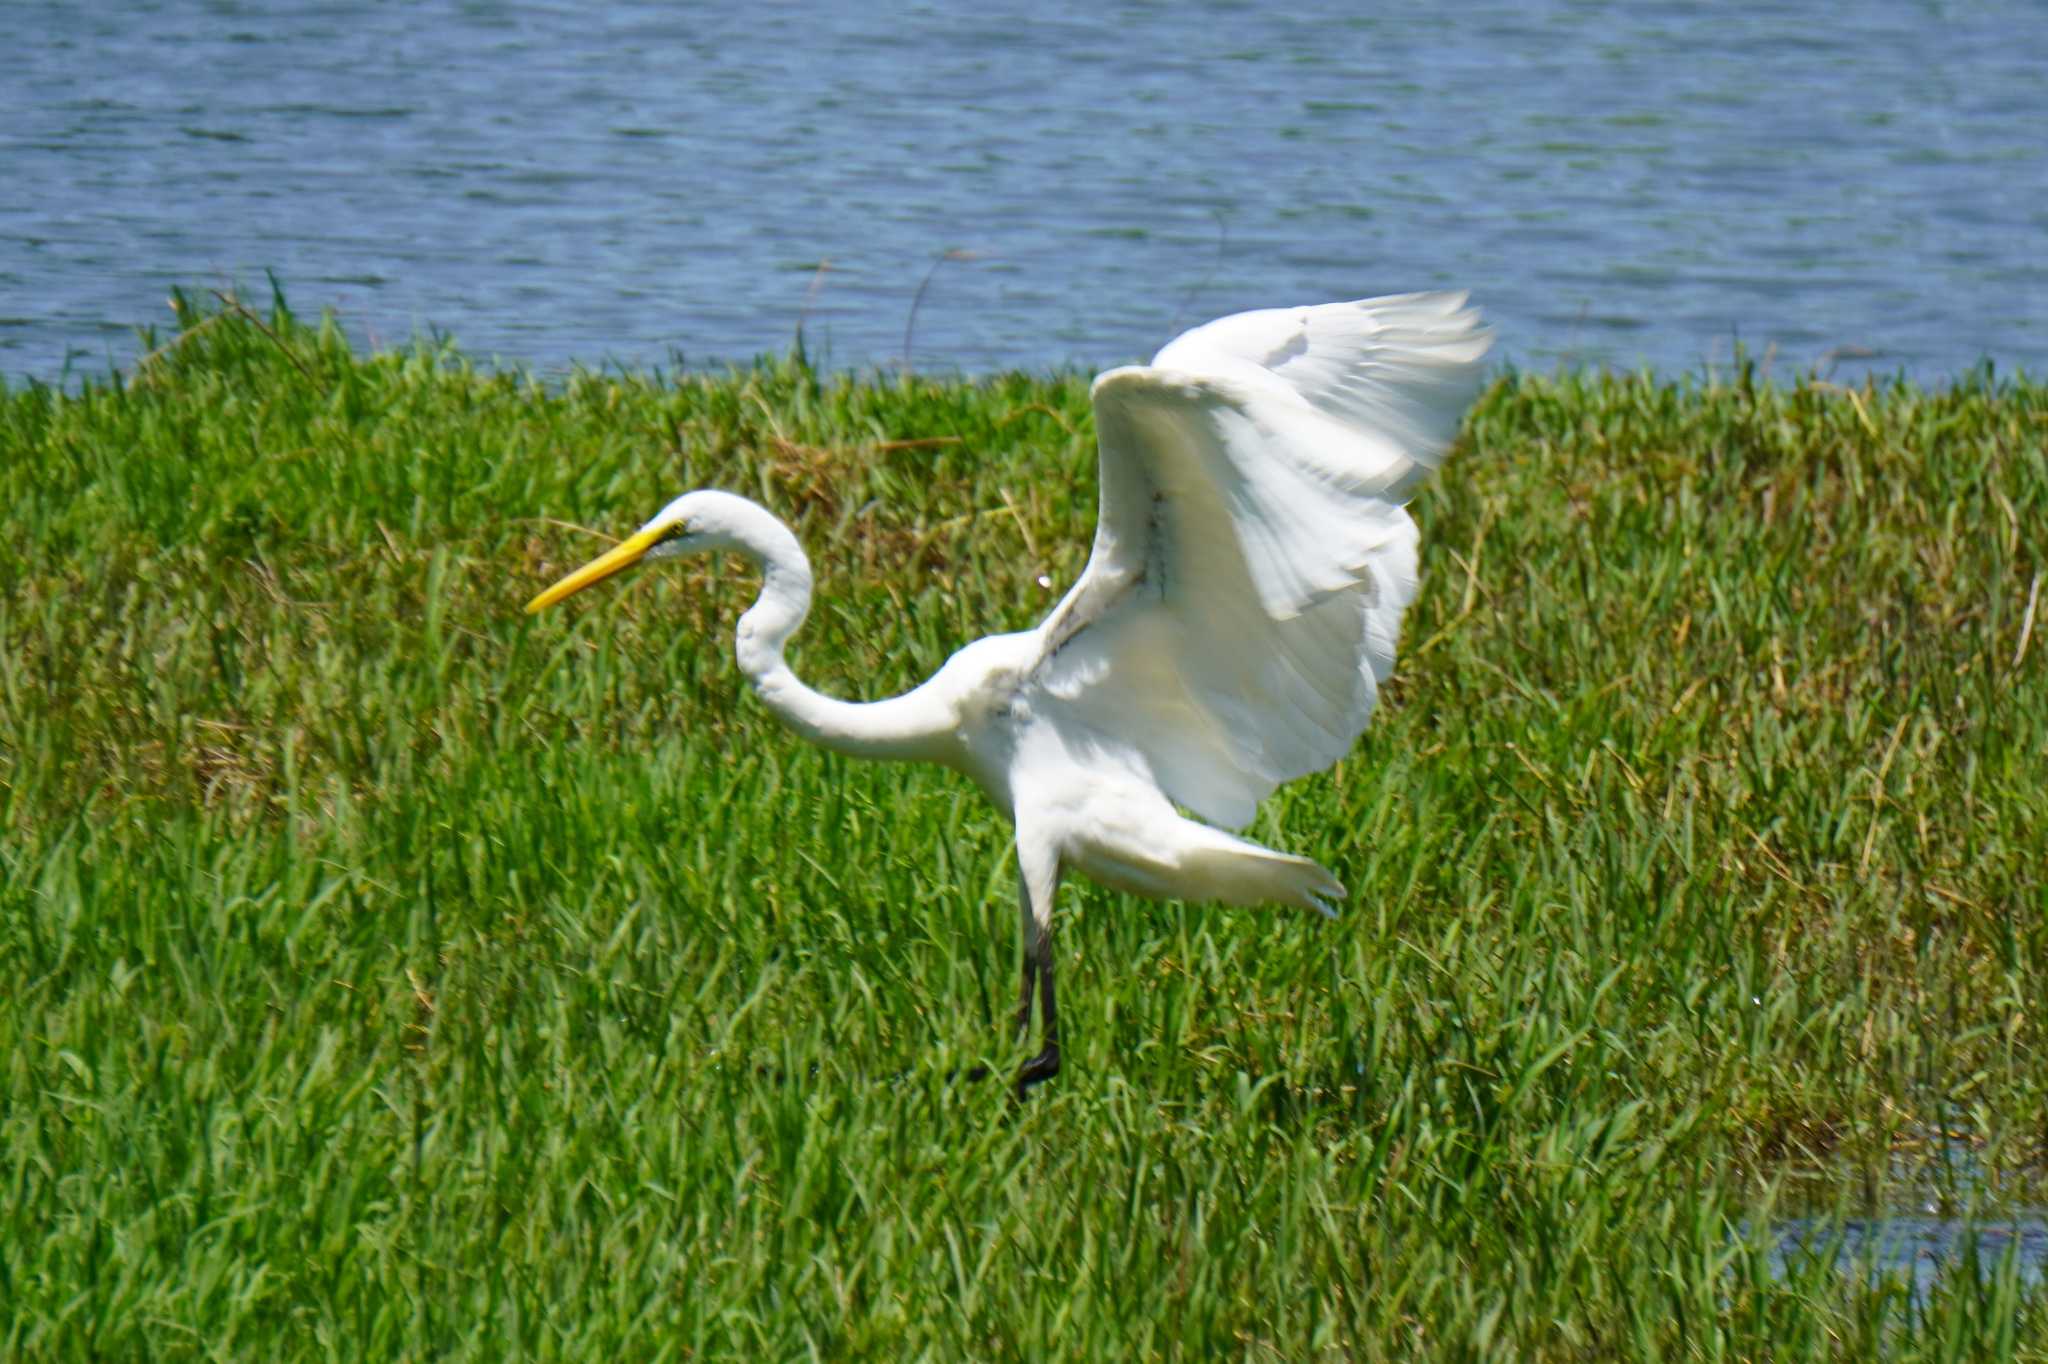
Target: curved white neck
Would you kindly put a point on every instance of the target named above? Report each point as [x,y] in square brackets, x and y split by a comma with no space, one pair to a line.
[903,727]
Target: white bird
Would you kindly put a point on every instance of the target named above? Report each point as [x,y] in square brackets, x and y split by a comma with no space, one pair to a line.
[1252,560]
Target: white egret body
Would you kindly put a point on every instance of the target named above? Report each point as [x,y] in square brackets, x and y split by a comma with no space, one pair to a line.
[1253,557]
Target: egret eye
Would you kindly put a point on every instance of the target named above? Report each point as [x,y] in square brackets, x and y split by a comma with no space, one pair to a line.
[673,541]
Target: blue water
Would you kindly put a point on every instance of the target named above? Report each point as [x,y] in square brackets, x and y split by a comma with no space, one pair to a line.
[1916,1250]
[637,182]
[1917,1227]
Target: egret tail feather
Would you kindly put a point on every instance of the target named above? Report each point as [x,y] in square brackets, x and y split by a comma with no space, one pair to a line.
[1251,875]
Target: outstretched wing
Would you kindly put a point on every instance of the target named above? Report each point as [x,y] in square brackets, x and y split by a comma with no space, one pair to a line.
[1252,553]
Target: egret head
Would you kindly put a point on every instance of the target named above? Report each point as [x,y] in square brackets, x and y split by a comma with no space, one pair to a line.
[694,523]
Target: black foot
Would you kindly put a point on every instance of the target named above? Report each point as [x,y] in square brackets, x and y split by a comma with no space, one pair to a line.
[1038,1069]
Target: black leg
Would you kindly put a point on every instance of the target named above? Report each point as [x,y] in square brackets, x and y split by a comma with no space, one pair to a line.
[1046,1064]
[1024,1000]
[1032,953]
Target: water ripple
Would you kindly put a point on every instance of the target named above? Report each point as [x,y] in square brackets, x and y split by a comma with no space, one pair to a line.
[560,183]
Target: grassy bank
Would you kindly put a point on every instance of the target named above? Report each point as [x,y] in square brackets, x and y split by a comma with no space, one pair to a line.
[385,972]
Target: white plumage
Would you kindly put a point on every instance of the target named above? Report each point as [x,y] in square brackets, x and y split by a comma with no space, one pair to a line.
[1252,561]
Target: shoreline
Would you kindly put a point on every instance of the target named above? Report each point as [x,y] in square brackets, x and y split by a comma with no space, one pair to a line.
[1741,364]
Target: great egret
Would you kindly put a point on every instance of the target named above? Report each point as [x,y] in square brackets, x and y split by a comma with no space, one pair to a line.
[1252,561]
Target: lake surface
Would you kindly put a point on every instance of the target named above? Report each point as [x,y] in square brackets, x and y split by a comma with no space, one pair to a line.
[1917,1250]
[1938,1208]
[642,183]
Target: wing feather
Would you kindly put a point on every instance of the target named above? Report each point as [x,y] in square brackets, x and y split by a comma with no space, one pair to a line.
[1253,555]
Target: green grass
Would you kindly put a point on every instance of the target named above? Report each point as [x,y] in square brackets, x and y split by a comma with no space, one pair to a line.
[386,973]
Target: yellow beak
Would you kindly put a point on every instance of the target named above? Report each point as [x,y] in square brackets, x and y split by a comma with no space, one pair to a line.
[623,555]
